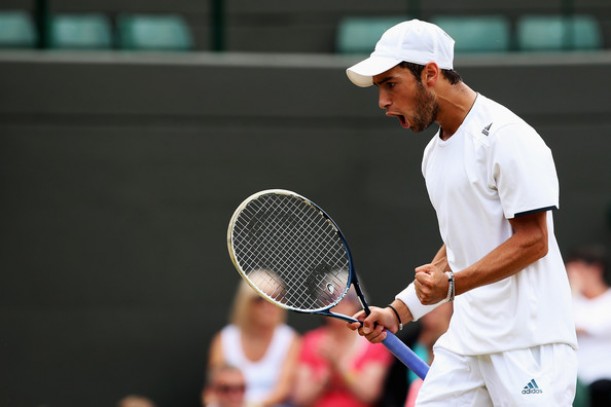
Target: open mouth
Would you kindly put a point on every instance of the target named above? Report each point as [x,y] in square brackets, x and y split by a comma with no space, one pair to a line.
[402,120]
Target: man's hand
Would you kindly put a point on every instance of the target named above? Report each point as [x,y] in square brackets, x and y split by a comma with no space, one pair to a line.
[431,284]
[373,326]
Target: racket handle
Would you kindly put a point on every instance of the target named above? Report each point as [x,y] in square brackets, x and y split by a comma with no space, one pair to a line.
[405,355]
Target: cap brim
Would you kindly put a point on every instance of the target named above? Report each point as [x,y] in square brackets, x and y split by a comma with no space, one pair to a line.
[362,73]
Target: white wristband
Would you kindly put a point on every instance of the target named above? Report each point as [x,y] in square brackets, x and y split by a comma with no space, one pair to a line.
[410,299]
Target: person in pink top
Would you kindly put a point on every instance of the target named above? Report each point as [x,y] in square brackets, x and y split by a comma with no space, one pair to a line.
[337,367]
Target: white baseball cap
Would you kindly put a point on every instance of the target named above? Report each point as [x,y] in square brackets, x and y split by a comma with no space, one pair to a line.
[412,41]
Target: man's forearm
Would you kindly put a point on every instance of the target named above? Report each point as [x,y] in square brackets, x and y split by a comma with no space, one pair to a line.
[527,245]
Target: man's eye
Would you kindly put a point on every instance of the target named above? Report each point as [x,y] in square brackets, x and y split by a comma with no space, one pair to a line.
[390,85]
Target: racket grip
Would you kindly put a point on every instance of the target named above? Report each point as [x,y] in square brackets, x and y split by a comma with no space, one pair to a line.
[405,355]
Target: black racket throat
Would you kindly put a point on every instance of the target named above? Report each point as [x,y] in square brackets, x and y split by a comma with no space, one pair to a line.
[360,294]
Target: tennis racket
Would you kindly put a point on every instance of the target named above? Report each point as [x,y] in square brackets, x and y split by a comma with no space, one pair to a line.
[294,255]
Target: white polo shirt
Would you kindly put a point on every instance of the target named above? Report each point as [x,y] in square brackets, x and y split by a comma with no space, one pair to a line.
[494,168]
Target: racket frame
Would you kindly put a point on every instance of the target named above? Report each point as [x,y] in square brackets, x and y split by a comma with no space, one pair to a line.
[398,348]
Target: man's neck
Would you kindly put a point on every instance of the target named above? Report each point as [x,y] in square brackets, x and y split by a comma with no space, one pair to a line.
[455,103]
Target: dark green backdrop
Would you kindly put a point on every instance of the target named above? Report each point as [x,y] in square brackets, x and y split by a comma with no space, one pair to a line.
[118,175]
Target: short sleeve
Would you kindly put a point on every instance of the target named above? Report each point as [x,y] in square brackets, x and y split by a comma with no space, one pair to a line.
[523,171]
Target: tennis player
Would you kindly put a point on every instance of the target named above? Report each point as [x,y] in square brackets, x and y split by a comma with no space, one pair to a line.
[493,184]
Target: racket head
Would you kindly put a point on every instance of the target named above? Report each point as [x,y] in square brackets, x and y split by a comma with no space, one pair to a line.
[290,251]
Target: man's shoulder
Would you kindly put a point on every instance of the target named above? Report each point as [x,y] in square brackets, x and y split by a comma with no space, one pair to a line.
[492,121]
[491,116]
[491,106]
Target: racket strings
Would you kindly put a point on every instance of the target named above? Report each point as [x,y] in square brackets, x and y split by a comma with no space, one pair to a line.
[292,252]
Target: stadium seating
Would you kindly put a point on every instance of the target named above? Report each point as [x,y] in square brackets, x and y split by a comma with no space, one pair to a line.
[80,31]
[17,30]
[558,33]
[491,33]
[153,32]
[358,35]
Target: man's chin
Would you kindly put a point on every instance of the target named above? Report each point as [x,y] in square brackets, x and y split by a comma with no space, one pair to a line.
[419,128]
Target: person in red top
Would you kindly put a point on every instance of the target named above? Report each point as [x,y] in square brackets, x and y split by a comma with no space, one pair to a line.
[337,367]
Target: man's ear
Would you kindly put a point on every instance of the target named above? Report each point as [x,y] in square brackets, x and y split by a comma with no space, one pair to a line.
[430,74]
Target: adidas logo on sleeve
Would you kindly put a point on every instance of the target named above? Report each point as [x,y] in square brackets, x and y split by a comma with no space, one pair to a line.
[486,130]
[532,388]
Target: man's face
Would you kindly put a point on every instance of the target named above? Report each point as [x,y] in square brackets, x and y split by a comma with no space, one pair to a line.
[404,97]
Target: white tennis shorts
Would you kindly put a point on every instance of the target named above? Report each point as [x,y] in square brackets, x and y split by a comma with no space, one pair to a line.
[539,376]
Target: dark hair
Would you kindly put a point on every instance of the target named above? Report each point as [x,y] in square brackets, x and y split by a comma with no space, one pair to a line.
[451,75]
[593,254]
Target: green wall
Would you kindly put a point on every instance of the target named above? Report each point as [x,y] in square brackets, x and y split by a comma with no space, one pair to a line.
[119,174]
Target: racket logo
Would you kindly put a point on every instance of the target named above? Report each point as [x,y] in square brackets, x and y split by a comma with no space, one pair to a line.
[322,276]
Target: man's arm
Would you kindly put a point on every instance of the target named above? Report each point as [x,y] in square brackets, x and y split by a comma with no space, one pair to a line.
[527,244]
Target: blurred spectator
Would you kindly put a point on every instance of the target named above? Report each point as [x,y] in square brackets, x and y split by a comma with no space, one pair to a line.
[134,400]
[587,268]
[339,368]
[261,345]
[225,387]
[433,325]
